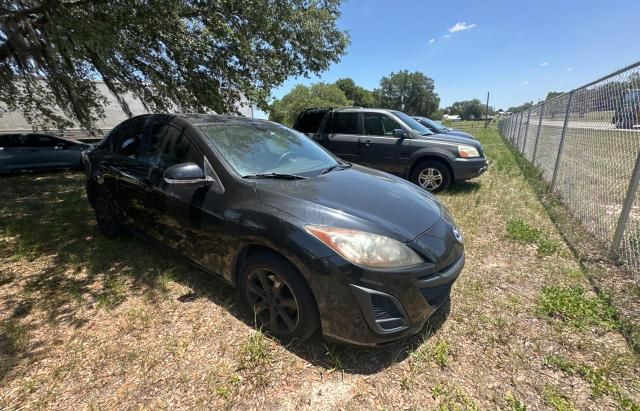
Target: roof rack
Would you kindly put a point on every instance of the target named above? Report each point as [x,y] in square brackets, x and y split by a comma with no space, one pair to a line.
[346,107]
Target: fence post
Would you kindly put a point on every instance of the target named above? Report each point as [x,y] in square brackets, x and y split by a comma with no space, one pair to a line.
[626,209]
[519,125]
[564,132]
[526,130]
[535,147]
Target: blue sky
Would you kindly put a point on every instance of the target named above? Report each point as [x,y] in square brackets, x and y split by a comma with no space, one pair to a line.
[517,50]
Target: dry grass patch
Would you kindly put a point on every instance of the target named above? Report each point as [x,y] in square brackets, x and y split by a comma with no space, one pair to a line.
[87,322]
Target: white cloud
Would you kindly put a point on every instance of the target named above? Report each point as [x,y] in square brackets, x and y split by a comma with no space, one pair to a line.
[432,41]
[569,68]
[524,83]
[546,63]
[446,36]
[462,26]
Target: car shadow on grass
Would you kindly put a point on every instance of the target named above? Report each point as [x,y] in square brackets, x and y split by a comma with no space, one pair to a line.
[46,220]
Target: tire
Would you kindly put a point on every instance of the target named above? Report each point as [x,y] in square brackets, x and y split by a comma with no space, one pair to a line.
[106,215]
[279,297]
[431,175]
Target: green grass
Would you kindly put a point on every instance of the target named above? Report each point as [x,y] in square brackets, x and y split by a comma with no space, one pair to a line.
[256,351]
[440,353]
[599,381]
[520,230]
[556,400]
[572,306]
[452,398]
[513,402]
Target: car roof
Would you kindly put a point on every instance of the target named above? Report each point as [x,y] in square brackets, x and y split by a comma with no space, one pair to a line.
[351,109]
[198,119]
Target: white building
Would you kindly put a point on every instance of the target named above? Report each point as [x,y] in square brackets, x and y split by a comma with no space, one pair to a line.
[15,121]
[451,117]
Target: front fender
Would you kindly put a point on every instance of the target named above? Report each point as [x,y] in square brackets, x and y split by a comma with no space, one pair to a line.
[439,153]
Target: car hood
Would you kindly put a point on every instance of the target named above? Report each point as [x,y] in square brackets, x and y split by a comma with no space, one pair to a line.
[450,138]
[460,133]
[359,198]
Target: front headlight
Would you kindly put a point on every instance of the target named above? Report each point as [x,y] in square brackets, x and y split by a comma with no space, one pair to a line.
[365,249]
[468,151]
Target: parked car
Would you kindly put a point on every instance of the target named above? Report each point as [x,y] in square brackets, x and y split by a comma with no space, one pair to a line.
[627,112]
[392,141]
[439,128]
[312,242]
[29,152]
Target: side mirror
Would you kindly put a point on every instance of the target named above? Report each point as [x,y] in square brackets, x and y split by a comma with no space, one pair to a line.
[184,173]
[399,133]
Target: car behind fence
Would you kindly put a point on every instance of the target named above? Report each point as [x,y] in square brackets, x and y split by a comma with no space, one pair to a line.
[586,144]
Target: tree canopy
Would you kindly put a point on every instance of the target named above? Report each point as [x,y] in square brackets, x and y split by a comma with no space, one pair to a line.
[359,96]
[412,93]
[468,109]
[301,97]
[171,54]
[554,94]
[521,107]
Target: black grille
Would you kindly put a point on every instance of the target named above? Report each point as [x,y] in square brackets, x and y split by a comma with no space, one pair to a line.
[385,313]
[384,308]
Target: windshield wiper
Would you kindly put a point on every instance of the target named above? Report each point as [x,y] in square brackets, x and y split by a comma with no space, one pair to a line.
[275,176]
[333,167]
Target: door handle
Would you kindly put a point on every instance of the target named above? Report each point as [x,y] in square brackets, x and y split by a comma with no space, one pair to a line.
[367,143]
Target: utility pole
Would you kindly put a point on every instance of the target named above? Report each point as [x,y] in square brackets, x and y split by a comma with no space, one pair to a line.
[486,113]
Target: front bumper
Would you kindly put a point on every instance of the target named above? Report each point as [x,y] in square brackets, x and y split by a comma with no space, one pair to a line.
[468,168]
[373,307]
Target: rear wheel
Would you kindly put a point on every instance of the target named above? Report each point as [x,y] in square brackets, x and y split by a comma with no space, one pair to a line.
[106,215]
[431,175]
[279,297]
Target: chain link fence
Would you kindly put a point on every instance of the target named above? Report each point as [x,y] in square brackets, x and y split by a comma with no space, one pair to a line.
[586,144]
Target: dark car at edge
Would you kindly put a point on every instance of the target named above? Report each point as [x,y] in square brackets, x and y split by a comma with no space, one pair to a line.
[35,152]
[311,241]
[392,141]
[439,128]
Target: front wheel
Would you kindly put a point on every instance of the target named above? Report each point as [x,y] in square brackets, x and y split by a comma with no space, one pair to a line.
[279,297]
[431,175]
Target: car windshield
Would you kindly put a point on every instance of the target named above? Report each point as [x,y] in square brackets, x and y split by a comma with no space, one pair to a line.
[262,148]
[413,124]
[434,125]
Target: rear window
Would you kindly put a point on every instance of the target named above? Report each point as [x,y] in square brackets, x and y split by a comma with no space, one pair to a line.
[345,123]
[309,122]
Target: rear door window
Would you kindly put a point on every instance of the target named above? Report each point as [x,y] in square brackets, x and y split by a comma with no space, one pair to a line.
[376,124]
[128,138]
[344,123]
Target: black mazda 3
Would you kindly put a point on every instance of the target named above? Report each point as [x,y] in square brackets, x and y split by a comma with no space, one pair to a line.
[311,242]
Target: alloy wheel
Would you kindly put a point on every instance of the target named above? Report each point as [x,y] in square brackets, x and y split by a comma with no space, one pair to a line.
[273,301]
[430,179]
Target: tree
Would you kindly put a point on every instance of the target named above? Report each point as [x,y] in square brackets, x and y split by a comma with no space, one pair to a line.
[468,109]
[412,93]
[554,94]
[319,95]
[172,54]
[359,96]
[524,106]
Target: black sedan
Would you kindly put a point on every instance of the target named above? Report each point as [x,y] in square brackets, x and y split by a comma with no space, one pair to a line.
[312,242]
[30,152]
[438,128]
